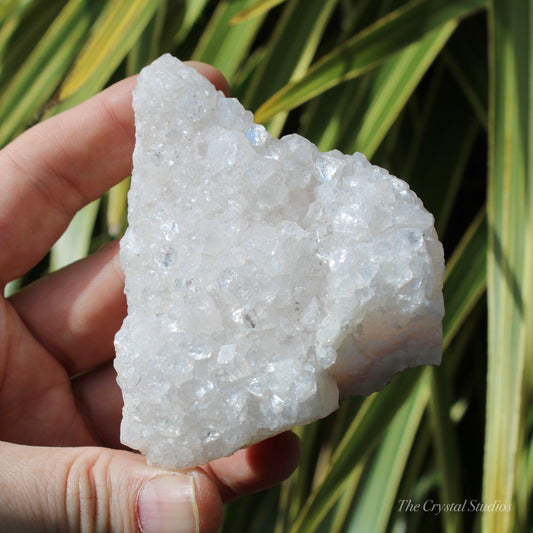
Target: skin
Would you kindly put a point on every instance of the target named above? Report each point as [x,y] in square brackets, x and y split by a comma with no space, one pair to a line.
[61,463]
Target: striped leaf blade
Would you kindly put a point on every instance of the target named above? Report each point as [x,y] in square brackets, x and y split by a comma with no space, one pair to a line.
[115,32]
[193,10]
[368,49]
[466,277]
[361,437]
[21,33]
[289,52]
[223,45]
[35,82]
[446,447]
[291,48]
[509,280]
[373,509]
[75,242]
[11,8]
[259,8]
[394,84]
[113,35]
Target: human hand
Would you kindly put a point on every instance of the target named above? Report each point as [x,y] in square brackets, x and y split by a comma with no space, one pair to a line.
[60,465]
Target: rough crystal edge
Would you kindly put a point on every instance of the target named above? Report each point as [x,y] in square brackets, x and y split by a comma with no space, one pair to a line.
[430,351]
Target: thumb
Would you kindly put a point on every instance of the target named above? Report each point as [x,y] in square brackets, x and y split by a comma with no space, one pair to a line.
[98,489]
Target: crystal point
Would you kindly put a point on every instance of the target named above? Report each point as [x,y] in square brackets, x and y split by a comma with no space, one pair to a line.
[264,279]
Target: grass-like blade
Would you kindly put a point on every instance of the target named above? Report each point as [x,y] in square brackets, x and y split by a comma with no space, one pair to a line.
[437,160]
[290,49]
[289,52]
[41,73]
[377,499]
[510,237]
[21,33]
[337,112]
[345,504]
[361,437]
[394,84]
[7,29]
[259,8]
[12,8]
[148,46]
[446,447]
[114,34]
[223,45]
[75,242]
[368,49]
[462,57]
[117,201]
[193,10]
[466,277]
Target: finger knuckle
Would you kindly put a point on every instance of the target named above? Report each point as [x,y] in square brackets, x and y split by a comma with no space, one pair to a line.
[89,498]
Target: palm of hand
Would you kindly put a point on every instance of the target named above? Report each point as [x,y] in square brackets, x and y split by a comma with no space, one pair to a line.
[39,403]
[64,324]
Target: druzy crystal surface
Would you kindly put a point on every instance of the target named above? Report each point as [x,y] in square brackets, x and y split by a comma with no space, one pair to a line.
[263,277]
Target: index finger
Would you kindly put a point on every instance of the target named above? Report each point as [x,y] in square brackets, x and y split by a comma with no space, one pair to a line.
[62,164]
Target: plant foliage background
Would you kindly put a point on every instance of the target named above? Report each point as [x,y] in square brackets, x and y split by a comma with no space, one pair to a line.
[438,91]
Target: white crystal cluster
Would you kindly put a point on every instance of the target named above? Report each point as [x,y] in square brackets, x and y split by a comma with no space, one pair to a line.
[262,276]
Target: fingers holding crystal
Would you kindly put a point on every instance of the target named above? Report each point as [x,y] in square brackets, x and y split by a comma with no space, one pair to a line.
[258,467]
[85,306]
[100,401]
[55,168]
[63,163]
[212,74]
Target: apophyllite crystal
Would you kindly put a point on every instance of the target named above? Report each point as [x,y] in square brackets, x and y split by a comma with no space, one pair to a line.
[263,277]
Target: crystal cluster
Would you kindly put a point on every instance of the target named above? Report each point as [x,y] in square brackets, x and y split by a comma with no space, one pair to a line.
[263,277]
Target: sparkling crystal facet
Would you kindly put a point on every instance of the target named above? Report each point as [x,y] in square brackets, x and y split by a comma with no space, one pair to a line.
[262,276]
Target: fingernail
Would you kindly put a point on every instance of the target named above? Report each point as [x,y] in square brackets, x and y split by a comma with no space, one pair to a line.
[167,504]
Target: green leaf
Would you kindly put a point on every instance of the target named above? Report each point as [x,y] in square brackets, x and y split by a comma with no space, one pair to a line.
[193,10]
[362,435]
[223,45]
[75,242]
[446,446]
[259,8]
[346,501]
[113,35]
[255,513]
[509,280]
[40,74]
[291,48]
[466,276]
[377,499]
[394,84]
[10,8]
[299,486]
[148,46]
[437,158]
[7,29]
[21,33]
[336,112]
[117,203]
[415,483]
[368,49]
[463,59]
[289,51]
[12,287]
